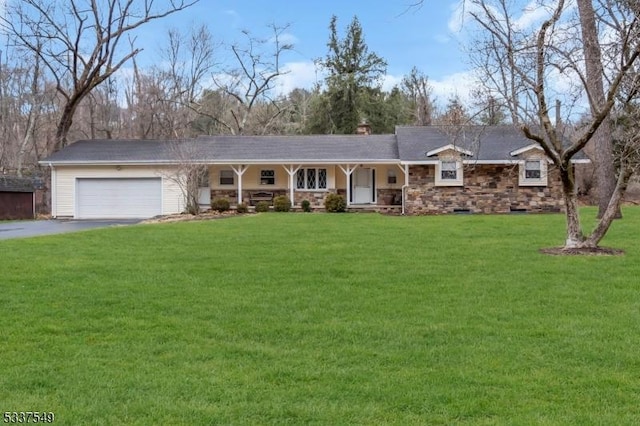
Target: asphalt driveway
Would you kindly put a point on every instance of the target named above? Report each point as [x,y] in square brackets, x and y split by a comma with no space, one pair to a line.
[33,228]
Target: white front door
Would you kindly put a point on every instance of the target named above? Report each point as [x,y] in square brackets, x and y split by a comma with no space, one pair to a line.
[362,186]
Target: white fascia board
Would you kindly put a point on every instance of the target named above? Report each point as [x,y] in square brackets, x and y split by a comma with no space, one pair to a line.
[526,148]
[213,162]
[490,161]
[581,161]
[419,163]
[117,163]
[279,162]
[431,162]
[447,148]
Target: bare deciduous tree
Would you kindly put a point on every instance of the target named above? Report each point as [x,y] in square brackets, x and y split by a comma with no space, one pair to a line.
[602,139]
[554,49]
[190,173]
[420,93]
[24,97]
[79,42]
[252,81]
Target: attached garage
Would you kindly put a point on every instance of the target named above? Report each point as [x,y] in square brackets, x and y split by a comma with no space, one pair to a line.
[103,198]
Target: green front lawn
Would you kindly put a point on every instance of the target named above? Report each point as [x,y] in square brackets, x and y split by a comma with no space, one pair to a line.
[323,319]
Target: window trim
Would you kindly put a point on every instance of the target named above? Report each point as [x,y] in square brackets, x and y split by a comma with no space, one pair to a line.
[392,177]
[317,187]
[459,179]
[526,181]
[265,180]
[232,177]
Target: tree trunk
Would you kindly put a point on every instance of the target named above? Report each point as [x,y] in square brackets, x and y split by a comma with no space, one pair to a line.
[26,140]
[66,120]
[602,139]
[612,210]
[575,238]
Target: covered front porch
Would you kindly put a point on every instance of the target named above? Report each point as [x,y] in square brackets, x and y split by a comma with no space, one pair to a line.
[364,186]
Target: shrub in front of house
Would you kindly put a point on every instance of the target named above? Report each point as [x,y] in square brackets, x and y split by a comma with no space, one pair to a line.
[262,206]
[335,203]
[220,205]
[281,204]
[306,206]
[242,208]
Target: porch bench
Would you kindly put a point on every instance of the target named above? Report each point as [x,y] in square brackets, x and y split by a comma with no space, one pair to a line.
[256,197]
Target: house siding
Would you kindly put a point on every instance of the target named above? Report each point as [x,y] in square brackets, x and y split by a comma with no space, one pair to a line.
[486,189]
[336,183]
[251,178]
[64,193]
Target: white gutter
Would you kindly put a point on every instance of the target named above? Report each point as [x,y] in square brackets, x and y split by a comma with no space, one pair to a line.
[483,162]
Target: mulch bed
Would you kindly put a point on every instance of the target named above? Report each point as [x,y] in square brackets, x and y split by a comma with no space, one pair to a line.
[587,251]
[183,217]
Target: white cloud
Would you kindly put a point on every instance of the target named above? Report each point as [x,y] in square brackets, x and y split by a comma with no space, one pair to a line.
[391,81]
[461,14]
[304,75]
[523,18]
[299,75]
[533,13]
[458,16]
[458,84]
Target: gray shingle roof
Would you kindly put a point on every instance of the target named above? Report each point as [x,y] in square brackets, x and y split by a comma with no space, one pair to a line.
[16,184]
[493,143]
[113,151]
[329,148]
[409,144]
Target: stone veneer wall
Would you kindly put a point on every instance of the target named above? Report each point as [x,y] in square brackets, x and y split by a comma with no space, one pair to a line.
[315,198]
[487,189]
[232,194]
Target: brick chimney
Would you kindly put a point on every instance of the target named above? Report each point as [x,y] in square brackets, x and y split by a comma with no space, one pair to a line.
[363,129]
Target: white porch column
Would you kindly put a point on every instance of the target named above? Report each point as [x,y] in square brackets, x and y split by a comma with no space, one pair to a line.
[239,170]
[348,171]
[404,187]
[292,170]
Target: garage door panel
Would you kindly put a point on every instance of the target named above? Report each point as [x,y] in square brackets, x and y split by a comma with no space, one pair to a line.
[118,198]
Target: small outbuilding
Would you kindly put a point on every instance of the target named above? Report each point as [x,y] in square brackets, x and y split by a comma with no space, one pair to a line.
[17,198]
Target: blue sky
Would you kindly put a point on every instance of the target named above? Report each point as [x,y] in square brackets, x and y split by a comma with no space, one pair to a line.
[403,36]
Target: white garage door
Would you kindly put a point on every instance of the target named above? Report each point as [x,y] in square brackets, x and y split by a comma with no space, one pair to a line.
[118,198]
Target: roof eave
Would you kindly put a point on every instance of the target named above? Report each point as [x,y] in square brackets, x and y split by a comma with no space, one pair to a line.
[107,163]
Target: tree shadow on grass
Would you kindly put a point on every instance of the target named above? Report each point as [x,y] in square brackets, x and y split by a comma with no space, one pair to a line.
[586,251]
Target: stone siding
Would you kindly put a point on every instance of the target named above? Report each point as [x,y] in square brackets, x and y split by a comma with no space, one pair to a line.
[389,197]
[232,194]
[487,189]
[315,198]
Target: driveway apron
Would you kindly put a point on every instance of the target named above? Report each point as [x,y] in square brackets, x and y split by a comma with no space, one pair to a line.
[34,228]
